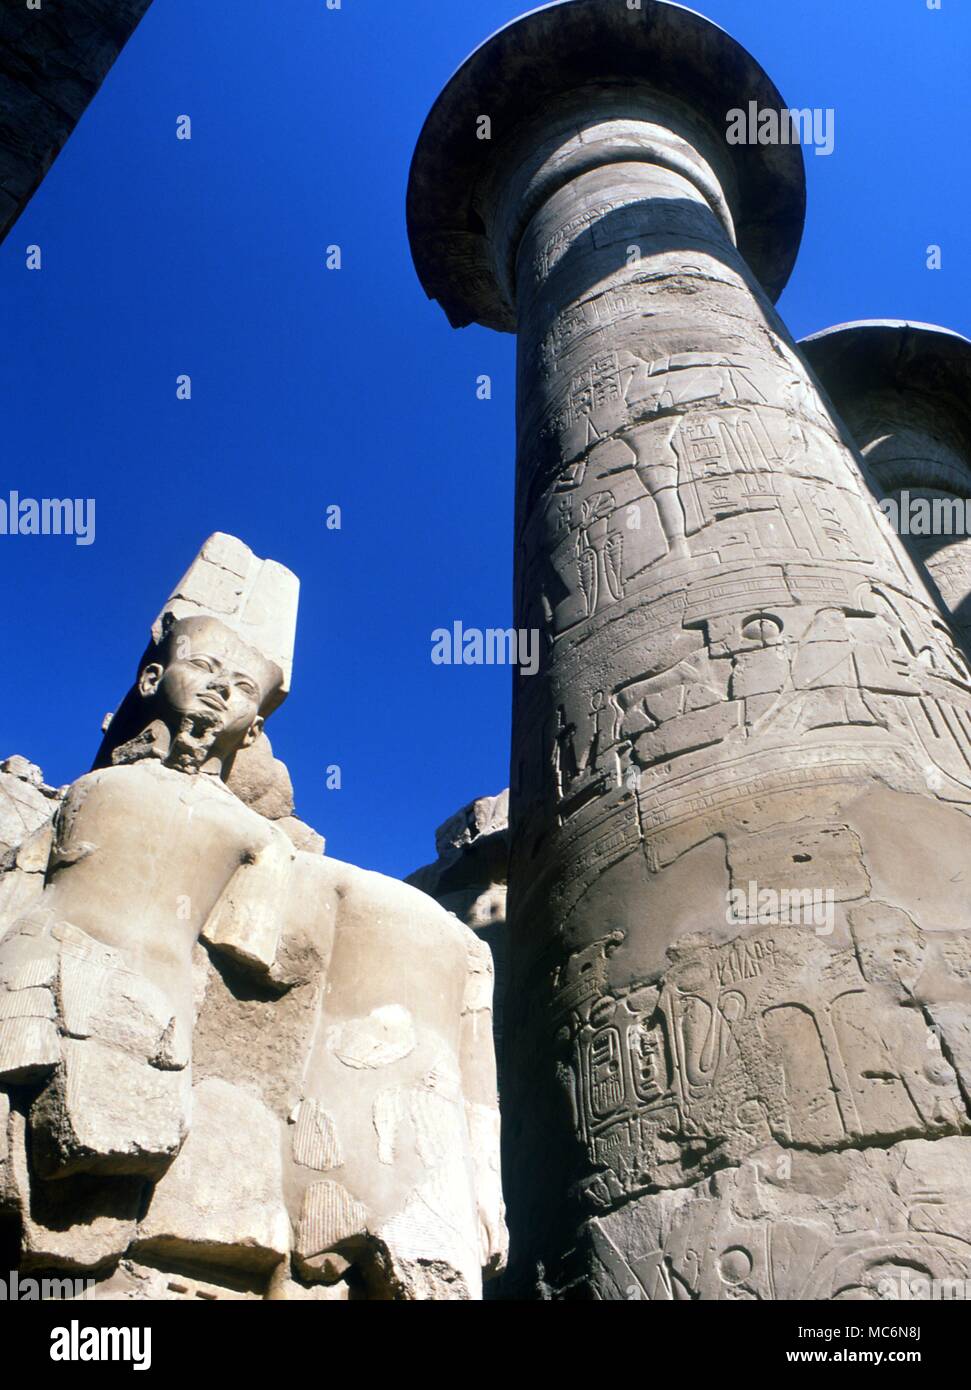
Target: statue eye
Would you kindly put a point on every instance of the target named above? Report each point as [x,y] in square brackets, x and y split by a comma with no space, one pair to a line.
[202,662]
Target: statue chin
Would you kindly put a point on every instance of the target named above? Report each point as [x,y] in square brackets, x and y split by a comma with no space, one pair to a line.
[187,741]
[194,744]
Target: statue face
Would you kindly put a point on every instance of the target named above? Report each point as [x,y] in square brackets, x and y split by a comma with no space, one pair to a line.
[210,688]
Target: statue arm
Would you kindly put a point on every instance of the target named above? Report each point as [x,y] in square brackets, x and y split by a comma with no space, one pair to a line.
[246,923]
[478,1063]
[276,913]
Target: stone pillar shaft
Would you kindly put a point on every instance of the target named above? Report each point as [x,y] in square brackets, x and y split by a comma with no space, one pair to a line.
[741,765]
[725,610]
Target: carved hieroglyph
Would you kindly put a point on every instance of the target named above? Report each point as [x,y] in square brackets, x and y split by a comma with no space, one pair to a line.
[229,1066]
[741,781]
[904,392]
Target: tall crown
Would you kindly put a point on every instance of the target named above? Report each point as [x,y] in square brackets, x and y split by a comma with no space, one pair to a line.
[256,598]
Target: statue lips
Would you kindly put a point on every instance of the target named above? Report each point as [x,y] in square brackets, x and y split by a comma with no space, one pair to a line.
[200,725]
[212,702]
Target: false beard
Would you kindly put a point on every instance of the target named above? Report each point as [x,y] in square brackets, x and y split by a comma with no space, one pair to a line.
[193,743]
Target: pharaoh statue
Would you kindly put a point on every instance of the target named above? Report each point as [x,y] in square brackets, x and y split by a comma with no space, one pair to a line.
[231,1066]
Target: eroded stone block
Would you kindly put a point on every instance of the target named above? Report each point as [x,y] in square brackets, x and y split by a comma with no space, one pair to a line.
[222,1199]
[105,1111]
[71,1223]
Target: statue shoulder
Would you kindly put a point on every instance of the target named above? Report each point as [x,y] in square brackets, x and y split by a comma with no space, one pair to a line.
[364,890]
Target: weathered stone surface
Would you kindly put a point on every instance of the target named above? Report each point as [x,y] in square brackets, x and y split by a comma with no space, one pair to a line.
[289,1291]
[384,1036]
[329,1217]
[108,1111]
[469,878]
[140,1279]
[74,1223]
[469,875]
[741,777]
[27,808]
[315,1141]
[25,803]
[870,1224]
[659,44]
[262,781]
[302,836]
[389,1173]
[221,1201]
[488,815]
[29,1042]
[54,59]
[4,1123]
[812,1050]
[384,1077]
[952,1020]
[246,924]
[24,770]
[428,1251]
[483,1122]
[98,999]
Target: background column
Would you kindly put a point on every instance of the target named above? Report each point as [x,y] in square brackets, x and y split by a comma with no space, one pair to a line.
[904,391]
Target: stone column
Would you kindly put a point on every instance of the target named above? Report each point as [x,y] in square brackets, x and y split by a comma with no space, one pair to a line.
[741,778]
[53,59]
[904,391]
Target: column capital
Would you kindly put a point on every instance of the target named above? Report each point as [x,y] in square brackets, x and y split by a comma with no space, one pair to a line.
[661,52]
[927,367]
[904,393]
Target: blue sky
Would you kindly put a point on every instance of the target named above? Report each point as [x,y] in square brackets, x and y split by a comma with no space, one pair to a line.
[313,387]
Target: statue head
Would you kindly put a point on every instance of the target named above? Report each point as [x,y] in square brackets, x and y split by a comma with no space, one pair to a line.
[217,665]
[209,688]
